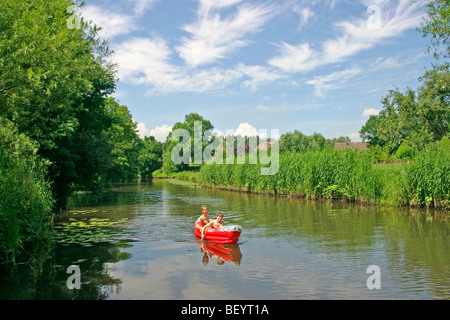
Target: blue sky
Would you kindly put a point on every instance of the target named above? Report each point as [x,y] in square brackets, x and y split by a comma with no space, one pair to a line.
[313,66]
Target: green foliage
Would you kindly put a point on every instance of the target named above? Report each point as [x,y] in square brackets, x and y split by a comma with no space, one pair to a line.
[436,26]
[124,142]
[25,195]
[53,81]
[416,117]
[445,144]
[369,132]
[428,177]
[380,154]
[151,156]
[297,142]
[189,125]
[345,174]
[405,152]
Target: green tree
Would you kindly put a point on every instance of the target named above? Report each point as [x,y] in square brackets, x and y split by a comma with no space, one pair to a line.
[369,132]
[151,156]
[436,26]
[53,82]
[417,117]
[434,101]
[196,142]
[297,142]
[124,141]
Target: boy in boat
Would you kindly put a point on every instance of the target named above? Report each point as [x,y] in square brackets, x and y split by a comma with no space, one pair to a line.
[216,224]
[219,221]
[204,218]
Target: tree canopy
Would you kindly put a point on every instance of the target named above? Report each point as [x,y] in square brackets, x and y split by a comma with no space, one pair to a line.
[55,86]
[418,117]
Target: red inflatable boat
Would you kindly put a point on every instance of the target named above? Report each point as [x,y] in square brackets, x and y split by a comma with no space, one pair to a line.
[223,235]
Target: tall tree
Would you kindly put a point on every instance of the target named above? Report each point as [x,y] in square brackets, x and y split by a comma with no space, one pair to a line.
[151,156]
[369,132]
[196,142]
[53,82]
[420,116]
[436,26]
[124,141]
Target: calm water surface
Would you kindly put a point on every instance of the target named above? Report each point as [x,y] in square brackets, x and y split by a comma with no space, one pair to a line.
[137,242]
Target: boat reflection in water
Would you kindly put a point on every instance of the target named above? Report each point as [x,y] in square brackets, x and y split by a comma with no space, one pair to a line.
[230,253]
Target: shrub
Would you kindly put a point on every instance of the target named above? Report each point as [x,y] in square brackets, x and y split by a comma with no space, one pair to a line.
[428,177]
[25,195]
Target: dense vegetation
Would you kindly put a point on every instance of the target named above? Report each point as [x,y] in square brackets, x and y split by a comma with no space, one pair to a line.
[26,200]
[345,175]
[60,129]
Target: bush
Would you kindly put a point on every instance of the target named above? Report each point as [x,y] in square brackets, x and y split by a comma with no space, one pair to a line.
[405,152]
[25,195]
[428,177]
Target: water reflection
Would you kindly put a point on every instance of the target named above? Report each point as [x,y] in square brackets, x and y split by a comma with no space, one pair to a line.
[137,242]
[230,253]
[50,282]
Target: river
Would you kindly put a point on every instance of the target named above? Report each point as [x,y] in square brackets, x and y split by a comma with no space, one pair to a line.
[137,242]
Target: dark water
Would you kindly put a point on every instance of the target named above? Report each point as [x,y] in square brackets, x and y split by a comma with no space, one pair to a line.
[137,242]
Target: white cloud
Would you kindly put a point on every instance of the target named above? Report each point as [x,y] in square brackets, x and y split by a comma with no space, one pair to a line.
[138,58]
[142,5]
[213,38]
[387,63]
[394,17]
[160,132]
[112,23]
[354,36]
[246,130]
[258,75]
[151,61]
[304,13]
[332,81]
[294,58]
[142,130]
[370,112]
[148,61]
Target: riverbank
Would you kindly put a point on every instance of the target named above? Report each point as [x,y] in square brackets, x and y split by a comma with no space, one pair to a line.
[344,175]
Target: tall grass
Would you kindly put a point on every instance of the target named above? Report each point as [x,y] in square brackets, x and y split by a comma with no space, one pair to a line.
[329,173]
[344,174]
[25,197]
[428,178]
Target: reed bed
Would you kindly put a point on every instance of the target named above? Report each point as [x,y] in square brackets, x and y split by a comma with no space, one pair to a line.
[349,175]
[428,178]
[330,174]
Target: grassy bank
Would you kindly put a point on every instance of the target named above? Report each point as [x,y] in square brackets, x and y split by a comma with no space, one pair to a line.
[345,175]
[193,176]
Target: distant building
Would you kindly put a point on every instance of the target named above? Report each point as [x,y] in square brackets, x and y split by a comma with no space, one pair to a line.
[356,145]
[266,145]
